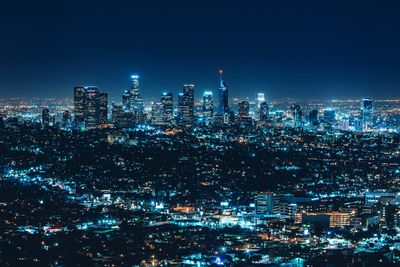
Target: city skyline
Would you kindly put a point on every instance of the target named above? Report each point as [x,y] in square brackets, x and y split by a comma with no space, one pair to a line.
[200,133]
[152,94]
[250,95]
[289,49]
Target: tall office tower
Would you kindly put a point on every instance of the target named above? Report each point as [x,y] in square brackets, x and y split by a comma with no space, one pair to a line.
[135,100]
[157,114]
[260,98]
[367,113]
[117,115]
[264,111]
[186,105]
[121,118]
[125,100]
[91,110]
[66,119]
[329,115]
[243,108]
[188,92]
[79,104]
[297,114]
[45,117]
[90,106]
[103,107]
[167,108]
[183,110]
[265,203]
[223,105]
[313,117]
[208,104]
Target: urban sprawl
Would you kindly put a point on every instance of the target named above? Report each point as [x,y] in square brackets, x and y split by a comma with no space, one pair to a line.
[216,181]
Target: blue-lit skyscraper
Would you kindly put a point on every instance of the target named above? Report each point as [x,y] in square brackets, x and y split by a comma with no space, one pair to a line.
[223,105]
[92,114]
[188,91]
[260,98]
[297,115]
[118,116]
[102,107]
[186,105]
[167,108]
[208,104]
[90,106]
[183,110]
[157,114]
[125,100]
[135,99]
[367,113]
[79,104]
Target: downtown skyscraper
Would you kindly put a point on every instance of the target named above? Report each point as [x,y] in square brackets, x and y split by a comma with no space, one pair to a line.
[367,113]
[296,114]
[223,104]
[260,98]
[157,113]
[208,104]
[79,104]
[167,104]
[186,105]
[134,101]
[90,106]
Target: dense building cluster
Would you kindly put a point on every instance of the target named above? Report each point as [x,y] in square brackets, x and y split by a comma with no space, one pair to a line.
[199,182]
[91,109]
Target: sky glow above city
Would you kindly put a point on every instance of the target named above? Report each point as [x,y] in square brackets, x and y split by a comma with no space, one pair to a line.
[299,49]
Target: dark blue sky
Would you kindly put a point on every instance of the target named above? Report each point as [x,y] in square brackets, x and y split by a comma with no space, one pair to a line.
[306,49]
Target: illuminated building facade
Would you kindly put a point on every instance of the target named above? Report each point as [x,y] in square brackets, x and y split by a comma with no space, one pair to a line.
[297,115]
[223,104]
[186,105]
[208,104]
[167,108]
[79,104]
[90,106]
[265,203]
[367,113]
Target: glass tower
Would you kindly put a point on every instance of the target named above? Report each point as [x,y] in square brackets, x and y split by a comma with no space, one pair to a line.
[367,113]
[223,107]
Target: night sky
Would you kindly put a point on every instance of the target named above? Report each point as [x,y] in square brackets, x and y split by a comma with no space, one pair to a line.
[300,49]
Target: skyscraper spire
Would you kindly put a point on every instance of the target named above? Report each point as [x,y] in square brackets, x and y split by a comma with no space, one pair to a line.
[222,96]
